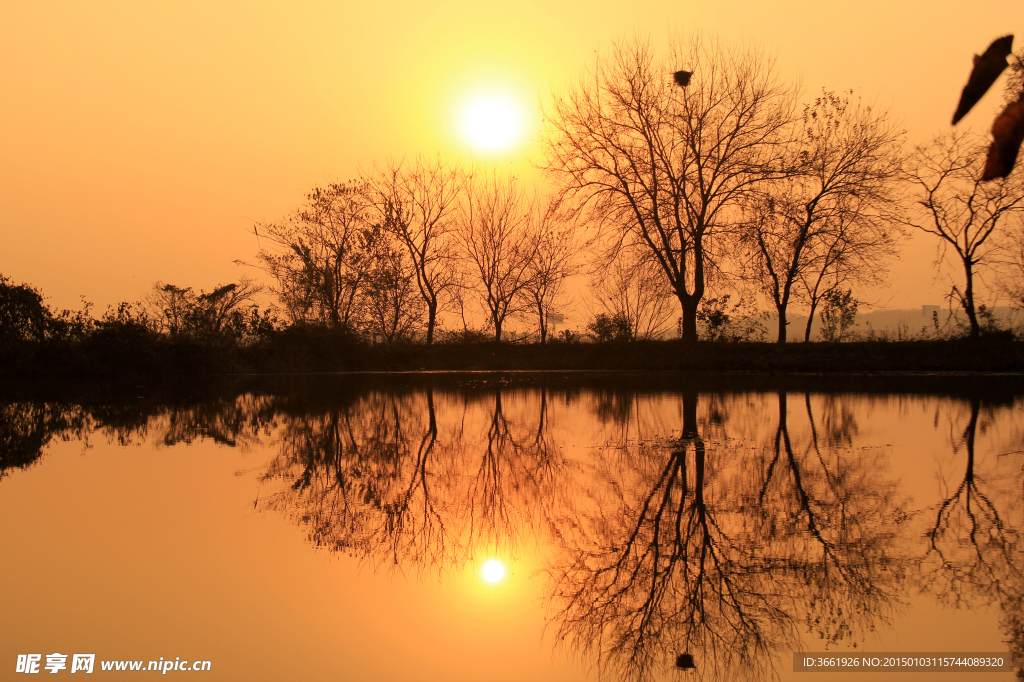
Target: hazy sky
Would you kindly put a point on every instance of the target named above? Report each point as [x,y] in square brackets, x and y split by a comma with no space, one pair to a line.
[140,141]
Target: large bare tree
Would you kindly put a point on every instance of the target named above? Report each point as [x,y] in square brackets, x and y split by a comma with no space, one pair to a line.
[827,219]
[965,213]
[416,202]
[665,166]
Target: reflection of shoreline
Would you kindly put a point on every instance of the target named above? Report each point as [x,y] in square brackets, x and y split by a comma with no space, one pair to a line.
[722,524]
[148,395]
[26,428]
[294,353]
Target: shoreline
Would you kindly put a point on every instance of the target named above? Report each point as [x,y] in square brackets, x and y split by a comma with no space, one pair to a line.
[168,357]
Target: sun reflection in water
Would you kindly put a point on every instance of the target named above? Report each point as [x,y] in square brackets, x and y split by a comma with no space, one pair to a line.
[493,571]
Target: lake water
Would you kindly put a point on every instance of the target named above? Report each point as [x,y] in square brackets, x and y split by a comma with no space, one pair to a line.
[338,528]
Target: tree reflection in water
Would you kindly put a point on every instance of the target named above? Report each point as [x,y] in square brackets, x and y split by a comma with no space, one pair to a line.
[26,428]
[975,556]
[359,483]
[377,479]
[710,547]
[726,526]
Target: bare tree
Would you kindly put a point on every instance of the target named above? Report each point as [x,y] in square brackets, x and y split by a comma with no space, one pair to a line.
[665,166]
[965,213]
[498,244]
[826,221]
[322,255]
[416,203]
[555,259]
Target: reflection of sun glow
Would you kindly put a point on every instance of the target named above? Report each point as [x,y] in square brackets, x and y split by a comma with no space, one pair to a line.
[491,121]
[493,571]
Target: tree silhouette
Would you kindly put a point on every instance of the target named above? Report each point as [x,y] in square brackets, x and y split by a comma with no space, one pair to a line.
[322,255]
[664,168]
[826,221]
[416,202]
[964,212]
[499,245]
[555,259]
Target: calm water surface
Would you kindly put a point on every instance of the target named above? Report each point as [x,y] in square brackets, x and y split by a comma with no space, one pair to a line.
[338,530]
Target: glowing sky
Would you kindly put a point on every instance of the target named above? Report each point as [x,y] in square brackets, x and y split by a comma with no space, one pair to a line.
[141,140]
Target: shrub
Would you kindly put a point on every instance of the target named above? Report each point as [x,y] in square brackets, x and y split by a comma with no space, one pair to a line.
[838,314]
[464,336]
[23,314]
[718,322]
[566,336]
[607,328]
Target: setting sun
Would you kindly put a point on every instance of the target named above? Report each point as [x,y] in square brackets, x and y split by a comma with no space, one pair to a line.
[491,121]
[493,571]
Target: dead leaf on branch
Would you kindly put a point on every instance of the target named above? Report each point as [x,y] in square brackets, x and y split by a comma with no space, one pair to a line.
[987,68]
[1007,136]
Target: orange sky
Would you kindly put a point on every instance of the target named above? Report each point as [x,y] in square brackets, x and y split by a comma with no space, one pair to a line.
[141,140]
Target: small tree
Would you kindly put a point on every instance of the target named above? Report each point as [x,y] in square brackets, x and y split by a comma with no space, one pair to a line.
[393,306]
[838,312]
[1011,280]
[176,310]
[23,314]
[498,245]
[554,261]
[606,328]
[827,219]
[631,286]
[322,255]
[722,322]
[416,202]
[965,213]
[714,313]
